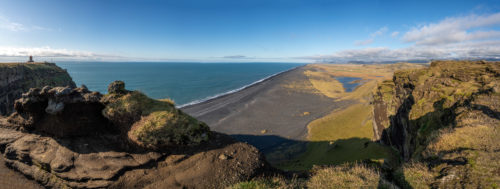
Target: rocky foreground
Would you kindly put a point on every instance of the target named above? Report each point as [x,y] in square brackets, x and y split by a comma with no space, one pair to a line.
[73,137]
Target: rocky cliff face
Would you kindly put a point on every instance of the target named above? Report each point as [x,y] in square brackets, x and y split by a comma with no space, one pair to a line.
[17,78]
[446,116]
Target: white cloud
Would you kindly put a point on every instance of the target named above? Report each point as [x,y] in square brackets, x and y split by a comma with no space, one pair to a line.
[479,50]
[379,32]
[6,24]
[363,42]
[467,37]
[454,30]
[12,26]
[394,34]
[237,57]
[15,53]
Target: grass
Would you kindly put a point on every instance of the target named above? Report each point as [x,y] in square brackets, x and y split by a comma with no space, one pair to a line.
[354,121]
[454,143]
[477,144]
[343,135]
[478,137]
[338,152]
[325,83]
[321,79]
[153,123]
[41,73]
[348,176]
[137,102]
[277,182]
[166,128]
[414,175]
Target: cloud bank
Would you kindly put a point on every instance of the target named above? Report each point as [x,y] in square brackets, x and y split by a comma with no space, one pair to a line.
[467,37]
[48,52]
[237,57]
[490,50]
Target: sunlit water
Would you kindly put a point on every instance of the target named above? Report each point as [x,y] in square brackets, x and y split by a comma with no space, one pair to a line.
[182,82]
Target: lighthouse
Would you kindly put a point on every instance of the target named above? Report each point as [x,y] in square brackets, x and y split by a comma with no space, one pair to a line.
[31,59]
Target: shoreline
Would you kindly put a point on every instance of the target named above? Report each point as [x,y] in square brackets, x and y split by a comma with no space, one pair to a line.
[220,95]
[268,113]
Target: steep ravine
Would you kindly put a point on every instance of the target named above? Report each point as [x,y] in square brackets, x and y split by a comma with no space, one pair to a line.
[444,121]
[17,78]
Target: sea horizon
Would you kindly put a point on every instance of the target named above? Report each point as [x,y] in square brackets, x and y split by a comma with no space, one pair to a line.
[183,82]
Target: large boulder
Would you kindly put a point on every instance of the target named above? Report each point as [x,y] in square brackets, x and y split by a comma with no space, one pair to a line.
[117,87]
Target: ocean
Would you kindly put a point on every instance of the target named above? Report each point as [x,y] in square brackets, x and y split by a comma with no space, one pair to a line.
[185,83]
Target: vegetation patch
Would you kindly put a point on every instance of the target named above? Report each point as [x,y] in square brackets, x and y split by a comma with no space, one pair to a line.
[348,176]
[446,125]
[153,123]
[414,175]
[347,123]
[278,182]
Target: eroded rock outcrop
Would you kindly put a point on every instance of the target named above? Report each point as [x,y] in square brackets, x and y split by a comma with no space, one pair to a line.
[18,78]
[151,124]
[72,137]
[61,112]
[446,117]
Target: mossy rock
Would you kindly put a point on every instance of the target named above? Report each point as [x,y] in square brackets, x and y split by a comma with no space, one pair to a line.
[168,128]
[151,123]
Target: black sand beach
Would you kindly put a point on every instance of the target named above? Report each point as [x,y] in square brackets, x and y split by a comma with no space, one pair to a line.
[267,114]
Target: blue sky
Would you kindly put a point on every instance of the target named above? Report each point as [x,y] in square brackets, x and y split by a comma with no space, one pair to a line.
[248,31]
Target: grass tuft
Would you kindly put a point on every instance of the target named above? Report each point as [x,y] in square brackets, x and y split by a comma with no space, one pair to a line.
[348,176]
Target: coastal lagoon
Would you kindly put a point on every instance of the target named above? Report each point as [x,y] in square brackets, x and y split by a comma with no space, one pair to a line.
[349,83]
[182,82]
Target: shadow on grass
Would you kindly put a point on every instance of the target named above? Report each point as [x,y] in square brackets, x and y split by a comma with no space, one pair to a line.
[299,157]
[290,154]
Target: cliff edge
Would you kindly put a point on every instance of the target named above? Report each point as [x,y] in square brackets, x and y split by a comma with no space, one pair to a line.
[18,78]
[67,137]
[444,121]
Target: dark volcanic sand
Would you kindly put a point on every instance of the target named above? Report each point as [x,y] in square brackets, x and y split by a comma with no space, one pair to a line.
[269,106]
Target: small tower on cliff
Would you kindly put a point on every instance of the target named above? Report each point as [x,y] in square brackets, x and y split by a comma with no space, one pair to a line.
[31,59]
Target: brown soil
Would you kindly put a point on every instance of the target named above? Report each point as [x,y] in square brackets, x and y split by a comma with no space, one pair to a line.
[214,168]
[98,162]
[10,179]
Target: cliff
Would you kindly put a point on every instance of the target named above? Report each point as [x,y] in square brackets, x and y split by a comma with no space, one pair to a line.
[17,78]
[444,119]
[65,137]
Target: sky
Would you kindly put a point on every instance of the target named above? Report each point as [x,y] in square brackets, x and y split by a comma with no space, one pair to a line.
[248,31]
